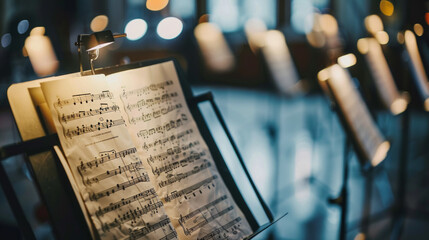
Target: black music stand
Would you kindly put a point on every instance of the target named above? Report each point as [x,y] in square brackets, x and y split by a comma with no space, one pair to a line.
[51,179]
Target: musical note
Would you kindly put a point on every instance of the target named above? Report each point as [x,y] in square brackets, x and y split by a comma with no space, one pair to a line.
[155,114]
[83,98]
[106,157]
[80,130]
[172,124]
[189,231]
[91,112]
[151,101]
[178,177]
[220,230]
[120,186]
[190,215]
[143,90]
[169,236]
[171,166]
[176,194]
[135,234]
[125,201]
[132,167]
[165,140]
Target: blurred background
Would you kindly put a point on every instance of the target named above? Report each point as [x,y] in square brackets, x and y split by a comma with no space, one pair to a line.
[261,60]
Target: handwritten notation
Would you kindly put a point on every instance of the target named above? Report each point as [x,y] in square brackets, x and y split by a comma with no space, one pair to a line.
[105,156]
[192,214]
[83,129]
[104,108]
[180,176]
[172,124]
[217,232]
[143,90]
[176,194]
[83,98]
[152,101]
[155,114]
[125,201]
[132,167]
[171,166]
[170,139]
[213,216]
[148,229]
[120,186]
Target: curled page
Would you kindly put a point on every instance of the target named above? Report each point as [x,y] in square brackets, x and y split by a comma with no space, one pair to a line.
[176,156]
[113,183]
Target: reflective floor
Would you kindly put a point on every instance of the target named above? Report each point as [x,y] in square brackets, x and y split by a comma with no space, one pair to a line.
[294,150]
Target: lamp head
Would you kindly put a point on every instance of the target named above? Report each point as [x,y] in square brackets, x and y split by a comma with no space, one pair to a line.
[98,40]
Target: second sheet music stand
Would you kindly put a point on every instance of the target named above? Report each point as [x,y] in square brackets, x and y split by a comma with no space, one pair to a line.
[54,187]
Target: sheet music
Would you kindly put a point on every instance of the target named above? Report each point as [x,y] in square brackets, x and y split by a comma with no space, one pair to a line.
[357,115]
[114,185]
[176,156]
[383,77]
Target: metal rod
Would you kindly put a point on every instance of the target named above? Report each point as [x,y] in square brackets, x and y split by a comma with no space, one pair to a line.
[344,191]
[240,159]
[17,210]
[119,35]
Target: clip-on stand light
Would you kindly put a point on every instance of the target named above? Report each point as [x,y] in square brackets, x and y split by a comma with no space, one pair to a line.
[92,43]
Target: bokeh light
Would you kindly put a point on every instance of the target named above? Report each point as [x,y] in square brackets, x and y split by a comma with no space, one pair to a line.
[382,37]
[23,26]
[99,23]
[386,7]
[169,28]
[373,24]
[156,5]
[6,39]
[347,60]
[136,29]
[418,29]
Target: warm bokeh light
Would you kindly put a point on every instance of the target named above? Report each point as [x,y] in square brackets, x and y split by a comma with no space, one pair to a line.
[400,37]
[323,75]
[214,48]
[169,28]
[347,60]
[418,29]
[136,29]
[386,7]
[426,105]
[328,24]
[41,53]
[427,18]
[362,45]
[204,18]
[381,153]
[6,39]
[23,26]
[382,37]
[99,23]
[156,5]
[37,31]
[398,106]
[360,236]
[373,24]
[316,37]
[255,30]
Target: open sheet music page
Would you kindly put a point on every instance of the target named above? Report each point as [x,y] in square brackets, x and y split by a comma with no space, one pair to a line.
[113,183]
[141,164]
[175,155]
[356,114]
